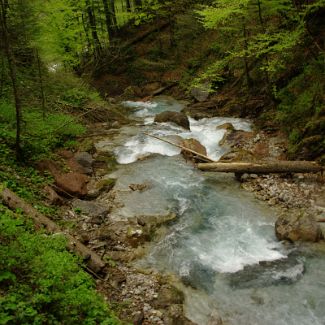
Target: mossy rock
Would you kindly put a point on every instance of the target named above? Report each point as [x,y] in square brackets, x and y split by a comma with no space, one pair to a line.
[106,160]
[87,145]
[106,184]
[168,295]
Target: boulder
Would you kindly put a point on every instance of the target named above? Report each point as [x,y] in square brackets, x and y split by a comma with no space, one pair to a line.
[72,183]
[226,126]
[167,296]
[238,155]
[51,196]
[47,165]
[85,160]
[150,88]
[192,144]
[139,187]
[92,209]
[236,138]
[174,315]
[215,319]
[174,117]
[131,92]
[200,93]
[96,187]
[297,227]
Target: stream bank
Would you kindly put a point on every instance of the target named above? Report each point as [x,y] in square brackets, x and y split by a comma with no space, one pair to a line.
[206,221]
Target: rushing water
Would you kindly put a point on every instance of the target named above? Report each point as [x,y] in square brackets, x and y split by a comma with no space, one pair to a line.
[222,245]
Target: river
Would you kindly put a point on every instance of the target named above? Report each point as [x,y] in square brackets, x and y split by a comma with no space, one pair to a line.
[222,244]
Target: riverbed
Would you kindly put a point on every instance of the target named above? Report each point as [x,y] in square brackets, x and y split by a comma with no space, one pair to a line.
[221,246]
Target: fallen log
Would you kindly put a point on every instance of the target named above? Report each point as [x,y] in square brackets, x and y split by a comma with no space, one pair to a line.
[92,260]
[144,35]
[162,89]
[206,158]
[263,167]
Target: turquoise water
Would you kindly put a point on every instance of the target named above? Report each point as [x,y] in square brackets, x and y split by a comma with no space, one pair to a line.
[222,245]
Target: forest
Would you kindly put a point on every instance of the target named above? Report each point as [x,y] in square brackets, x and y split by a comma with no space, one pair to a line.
[65,68]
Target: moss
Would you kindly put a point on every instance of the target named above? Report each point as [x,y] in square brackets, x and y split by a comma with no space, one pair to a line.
[106,184]
[86,145]
[107,161]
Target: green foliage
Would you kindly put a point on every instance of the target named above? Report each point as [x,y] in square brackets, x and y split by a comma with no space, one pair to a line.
[302,106]
[222,12]
[40,134]
[40,282]
[276,46]
[64,89]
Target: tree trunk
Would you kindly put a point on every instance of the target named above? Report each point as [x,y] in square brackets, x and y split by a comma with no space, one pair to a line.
[2,78]
[263,167]
[92,260]
[86,30]
[138,3]
[108,17]
[248,78]
[40,78]
[128,5]
[113,13]
[12,73]
[93,27]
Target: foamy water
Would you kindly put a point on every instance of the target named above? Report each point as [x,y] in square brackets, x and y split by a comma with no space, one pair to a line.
[222,245]
[205,131]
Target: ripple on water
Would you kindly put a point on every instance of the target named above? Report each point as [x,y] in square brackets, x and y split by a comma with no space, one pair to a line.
[222,245]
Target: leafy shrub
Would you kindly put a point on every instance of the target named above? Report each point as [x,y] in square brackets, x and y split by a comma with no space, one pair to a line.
[39,134]
[302,106]
[65,89]
[41,283]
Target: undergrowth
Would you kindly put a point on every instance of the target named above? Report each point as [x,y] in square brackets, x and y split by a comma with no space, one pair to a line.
[301,111]
[41,282]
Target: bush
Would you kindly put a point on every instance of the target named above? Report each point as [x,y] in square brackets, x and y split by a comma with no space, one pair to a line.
[39,134]
[41,283]
[302,108]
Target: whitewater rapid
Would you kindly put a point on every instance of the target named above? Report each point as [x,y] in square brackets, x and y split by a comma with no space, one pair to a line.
[222,245]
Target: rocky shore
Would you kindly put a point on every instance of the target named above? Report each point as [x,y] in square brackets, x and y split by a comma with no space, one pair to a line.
[299,199]
[88,199]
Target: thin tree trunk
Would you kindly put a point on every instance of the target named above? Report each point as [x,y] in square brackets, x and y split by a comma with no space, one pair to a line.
[93,27]
[128,5]
[197,154]
[86,30]
[248,78]
[108,17]
[138,3]
[260,16]
[2,78]
[40,78]
[12,73]
[113,13]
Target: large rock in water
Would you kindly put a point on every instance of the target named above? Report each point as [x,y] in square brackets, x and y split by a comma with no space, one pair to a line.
[174,117]
[194,145]
[300,227]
